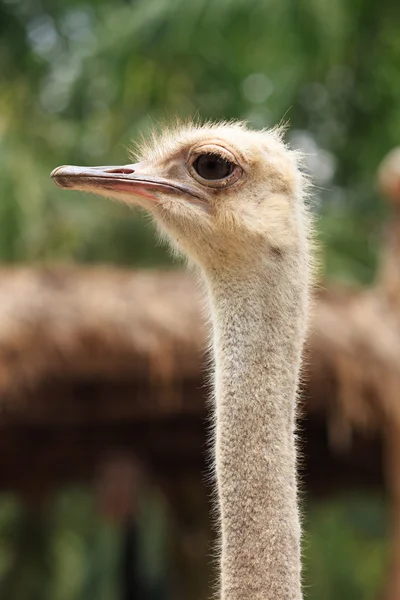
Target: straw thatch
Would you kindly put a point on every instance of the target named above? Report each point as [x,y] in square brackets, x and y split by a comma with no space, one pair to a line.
[354,361]
[109,324]
[98,360]
[104,324]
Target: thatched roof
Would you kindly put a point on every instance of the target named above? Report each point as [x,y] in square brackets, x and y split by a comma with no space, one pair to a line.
[99,360]
[97,323]
[354,361]
[104,324]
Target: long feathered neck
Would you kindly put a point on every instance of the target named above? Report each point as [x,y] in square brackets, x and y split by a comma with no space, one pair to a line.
[259,322]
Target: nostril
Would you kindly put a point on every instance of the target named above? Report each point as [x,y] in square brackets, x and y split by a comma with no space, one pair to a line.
[123,170]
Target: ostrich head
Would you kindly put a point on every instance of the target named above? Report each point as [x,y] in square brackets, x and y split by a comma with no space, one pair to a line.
[220,192]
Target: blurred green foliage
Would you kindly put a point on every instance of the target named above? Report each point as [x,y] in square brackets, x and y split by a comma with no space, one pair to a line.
[79,79]
[345,548]
[70,553]
[66,550]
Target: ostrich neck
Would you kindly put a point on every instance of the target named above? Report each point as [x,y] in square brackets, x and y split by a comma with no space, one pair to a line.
[259,324]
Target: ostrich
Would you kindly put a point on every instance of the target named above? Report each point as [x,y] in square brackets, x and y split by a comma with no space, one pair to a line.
[232,200]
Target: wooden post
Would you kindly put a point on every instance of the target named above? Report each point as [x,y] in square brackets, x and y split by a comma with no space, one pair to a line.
[392,473]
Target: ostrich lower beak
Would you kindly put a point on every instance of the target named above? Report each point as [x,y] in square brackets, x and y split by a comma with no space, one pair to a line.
[127,179]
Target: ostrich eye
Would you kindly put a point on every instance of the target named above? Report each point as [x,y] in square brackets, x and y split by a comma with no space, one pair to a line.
[213,167]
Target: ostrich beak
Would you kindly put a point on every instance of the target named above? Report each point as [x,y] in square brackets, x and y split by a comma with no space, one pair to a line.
[128,179]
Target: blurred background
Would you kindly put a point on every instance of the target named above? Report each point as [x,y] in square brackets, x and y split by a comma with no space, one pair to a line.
[102,443]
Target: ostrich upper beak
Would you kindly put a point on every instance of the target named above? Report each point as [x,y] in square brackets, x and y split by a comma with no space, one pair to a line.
[127,179]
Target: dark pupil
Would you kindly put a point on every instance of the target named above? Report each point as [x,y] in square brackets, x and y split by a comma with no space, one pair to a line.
[209,166]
